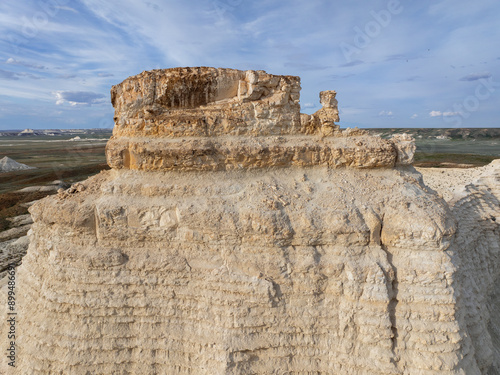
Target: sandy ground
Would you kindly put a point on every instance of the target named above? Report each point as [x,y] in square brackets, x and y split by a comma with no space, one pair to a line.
[449,181]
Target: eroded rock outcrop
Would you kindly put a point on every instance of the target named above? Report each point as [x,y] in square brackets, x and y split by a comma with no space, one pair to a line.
[235,236]
[476,254]
[207,119]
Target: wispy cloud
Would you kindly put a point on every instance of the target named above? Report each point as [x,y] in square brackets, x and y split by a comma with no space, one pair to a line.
[352,63]
[89,45]
[28,75]
[414,116]
[305,66]
[69,9]
[67,76]
[396,58]
[75,98]
[13,61]
[5,74]
[475,76]
[337,76]
[414,79]
[15,76]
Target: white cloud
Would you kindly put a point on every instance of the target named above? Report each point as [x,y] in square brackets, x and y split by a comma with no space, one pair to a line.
[386,113]
[192,36]
[75,98]
[444,114]
[309,105]
[13,61]
[352,63]
[414,116]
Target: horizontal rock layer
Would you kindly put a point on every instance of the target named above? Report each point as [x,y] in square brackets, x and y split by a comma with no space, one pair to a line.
[206,102]
[227,153]
[223,119]
[244,272]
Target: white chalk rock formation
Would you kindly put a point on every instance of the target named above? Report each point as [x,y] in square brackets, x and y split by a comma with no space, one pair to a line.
[235,236]
[9,165]
[476,254]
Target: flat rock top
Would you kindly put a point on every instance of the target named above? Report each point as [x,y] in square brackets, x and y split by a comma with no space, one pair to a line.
[450,182]
[189,88]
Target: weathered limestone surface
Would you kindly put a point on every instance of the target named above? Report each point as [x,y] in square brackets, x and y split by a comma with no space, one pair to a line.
[224,119]
[476,253]
[206,102]
[211,249]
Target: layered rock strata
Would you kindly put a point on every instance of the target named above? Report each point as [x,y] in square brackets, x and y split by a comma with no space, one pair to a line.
[476,254]
[207,119]
[235,236]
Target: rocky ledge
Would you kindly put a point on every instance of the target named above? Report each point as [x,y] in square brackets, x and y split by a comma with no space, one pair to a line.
[234,235]
[225,119]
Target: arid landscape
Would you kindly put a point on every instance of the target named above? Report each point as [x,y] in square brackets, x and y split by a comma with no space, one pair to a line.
[232,187]
[232,234]
[58,157]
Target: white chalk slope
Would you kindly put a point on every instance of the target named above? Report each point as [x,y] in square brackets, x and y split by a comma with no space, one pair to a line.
[8,165]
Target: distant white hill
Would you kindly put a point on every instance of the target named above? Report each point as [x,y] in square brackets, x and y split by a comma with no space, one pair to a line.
[26,132]
[53,132]
[8,165]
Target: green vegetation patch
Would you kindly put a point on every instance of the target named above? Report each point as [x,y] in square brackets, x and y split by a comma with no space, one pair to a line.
[451,160]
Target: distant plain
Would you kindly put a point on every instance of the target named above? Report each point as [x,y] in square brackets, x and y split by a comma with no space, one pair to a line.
[451,148]
[55,157]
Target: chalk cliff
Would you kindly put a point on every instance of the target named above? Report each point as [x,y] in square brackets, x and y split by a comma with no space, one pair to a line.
[476,254]
[234,235]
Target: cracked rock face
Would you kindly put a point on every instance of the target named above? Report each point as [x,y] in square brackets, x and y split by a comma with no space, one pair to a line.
[236,236]
[208,119]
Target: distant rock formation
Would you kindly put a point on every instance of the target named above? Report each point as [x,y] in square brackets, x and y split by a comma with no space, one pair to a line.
[9,165]
[26,132]
[234,235]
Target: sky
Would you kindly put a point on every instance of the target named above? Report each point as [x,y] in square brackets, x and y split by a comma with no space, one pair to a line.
[393,63]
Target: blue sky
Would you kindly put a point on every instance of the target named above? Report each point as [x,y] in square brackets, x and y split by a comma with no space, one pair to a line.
[393,63]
